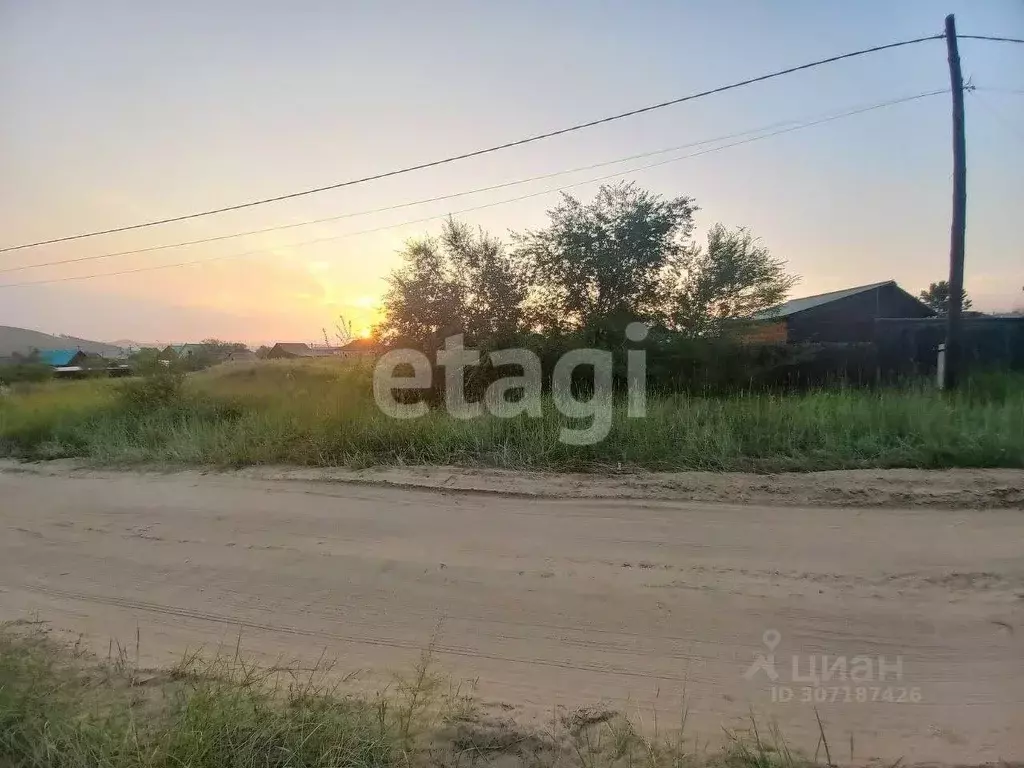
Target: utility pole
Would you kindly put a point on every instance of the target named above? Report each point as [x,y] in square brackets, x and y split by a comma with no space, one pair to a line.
[954,320]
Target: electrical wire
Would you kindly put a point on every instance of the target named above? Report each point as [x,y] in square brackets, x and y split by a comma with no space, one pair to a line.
[503,185]
[798,126]
[387,208]
[488,150]
[990,38]
[1014,91]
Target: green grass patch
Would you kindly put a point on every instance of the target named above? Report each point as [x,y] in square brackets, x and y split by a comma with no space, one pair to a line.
[60,708]
[322,414]
[57,710]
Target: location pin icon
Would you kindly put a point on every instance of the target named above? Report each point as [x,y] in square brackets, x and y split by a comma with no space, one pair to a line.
[771,638]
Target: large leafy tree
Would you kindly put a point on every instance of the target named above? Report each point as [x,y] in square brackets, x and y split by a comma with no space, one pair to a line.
[492,282]
[596,266]
[732,277]
[937,297]
[461,282]
[605,262]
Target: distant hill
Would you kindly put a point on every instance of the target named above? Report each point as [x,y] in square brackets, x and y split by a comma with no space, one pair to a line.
[23,341]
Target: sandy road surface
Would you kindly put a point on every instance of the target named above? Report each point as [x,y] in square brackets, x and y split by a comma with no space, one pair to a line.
[552,601]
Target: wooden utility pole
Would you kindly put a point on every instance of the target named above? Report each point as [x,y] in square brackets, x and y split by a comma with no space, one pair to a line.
[954,321]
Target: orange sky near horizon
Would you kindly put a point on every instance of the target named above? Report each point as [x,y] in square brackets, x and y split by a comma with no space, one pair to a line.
[120,112]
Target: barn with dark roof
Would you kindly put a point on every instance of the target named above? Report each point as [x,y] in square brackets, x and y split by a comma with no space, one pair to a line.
[840,316]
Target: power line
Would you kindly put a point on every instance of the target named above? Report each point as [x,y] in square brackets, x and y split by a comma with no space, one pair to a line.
[503,185]
[384,209]
[989,89]
[798,126]
[488,150]
[991,38]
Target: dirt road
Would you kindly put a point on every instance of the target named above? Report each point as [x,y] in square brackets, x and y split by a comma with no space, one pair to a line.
[639,604]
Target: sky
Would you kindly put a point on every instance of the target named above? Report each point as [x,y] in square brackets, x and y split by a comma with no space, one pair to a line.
[116,112]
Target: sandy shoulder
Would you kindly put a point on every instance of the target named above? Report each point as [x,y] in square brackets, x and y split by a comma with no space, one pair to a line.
[947,489]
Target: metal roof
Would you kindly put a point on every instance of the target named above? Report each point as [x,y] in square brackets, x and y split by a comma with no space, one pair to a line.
[360,345]
[794,306]
[295,348]
[57,357]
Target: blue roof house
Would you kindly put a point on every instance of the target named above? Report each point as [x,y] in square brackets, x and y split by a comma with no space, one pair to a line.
[62,358]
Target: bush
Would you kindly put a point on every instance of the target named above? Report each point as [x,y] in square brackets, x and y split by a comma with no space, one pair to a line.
[676,364]
[27,372]
[159,388]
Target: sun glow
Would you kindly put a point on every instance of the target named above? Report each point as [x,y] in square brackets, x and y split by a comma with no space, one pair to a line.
[365,302]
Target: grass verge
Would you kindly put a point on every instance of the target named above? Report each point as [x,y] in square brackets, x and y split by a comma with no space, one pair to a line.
[61,708]
[322,414]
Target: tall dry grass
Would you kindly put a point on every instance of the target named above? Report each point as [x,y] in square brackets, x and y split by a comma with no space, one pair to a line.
[322,413]
[60,708]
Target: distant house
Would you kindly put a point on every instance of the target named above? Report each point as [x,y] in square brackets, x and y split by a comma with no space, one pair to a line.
[73,362]
[240,356]
[323,350]
[356,348]
[190,354]
[290,351]
[186,351]
[63,358]
[359,348]
[840,316]
[170,352]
